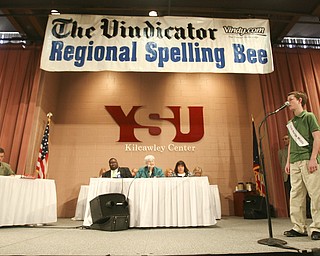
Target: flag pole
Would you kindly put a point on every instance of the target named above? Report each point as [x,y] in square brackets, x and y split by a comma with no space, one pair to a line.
[49,115]
[256,162]
[42,163]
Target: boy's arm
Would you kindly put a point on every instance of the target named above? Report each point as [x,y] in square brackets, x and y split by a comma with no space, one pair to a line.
[313,165]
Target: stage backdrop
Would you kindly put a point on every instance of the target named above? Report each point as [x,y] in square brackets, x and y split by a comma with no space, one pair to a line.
[157,44]
[85,134]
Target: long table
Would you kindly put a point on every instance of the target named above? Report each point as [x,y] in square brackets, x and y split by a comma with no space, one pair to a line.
[81,203]
[27,201]
[159,202]
[215,201]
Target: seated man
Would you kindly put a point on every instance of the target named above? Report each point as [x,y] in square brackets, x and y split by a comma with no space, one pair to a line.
[5,169]
[116,171]
[197,171]
[150,170]
[168,172]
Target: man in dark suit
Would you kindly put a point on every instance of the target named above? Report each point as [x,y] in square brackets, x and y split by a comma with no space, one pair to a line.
[116,171]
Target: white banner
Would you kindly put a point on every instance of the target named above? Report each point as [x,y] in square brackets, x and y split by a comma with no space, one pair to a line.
[156,44]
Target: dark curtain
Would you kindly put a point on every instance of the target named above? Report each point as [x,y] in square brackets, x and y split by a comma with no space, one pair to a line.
[19,83]
[295,69]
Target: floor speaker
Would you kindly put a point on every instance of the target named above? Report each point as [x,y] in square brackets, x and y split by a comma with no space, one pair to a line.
[110,212]
[254,207]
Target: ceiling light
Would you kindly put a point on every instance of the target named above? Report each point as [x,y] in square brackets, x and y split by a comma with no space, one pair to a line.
[153,14]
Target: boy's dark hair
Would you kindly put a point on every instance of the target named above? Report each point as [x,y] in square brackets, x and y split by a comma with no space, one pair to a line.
[299,95]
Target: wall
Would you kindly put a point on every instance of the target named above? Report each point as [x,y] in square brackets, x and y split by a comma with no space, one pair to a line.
[47,101]
[84,135]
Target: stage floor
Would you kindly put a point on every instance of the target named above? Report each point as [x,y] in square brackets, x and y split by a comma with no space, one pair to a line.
[231,235]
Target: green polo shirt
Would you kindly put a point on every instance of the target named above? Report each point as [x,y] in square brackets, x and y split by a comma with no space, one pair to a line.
[5,169]
[306,123]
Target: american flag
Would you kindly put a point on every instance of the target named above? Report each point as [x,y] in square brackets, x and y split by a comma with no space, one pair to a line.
[42,163]
[260,187]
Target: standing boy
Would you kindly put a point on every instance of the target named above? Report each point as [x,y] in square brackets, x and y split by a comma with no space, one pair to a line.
[303,167]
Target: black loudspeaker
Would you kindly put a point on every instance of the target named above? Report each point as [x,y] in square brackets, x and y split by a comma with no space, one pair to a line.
[110,212]
[254,207]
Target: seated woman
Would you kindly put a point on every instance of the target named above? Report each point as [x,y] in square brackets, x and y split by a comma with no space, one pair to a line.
[181,170]
[150,170]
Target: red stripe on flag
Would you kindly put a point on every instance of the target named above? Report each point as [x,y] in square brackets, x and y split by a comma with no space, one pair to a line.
[42,163]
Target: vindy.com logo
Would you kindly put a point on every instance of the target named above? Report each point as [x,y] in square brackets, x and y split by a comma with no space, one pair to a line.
[241,31]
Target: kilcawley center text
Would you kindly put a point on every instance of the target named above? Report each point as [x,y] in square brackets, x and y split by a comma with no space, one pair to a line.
[159,148]
[188,49]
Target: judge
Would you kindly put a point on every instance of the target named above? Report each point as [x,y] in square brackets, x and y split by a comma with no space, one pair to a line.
[149,170]
[116,171]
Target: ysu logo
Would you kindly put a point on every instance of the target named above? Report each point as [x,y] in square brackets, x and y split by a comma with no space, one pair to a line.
[128,124]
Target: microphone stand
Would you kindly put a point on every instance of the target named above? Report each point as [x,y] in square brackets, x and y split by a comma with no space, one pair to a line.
[268,241]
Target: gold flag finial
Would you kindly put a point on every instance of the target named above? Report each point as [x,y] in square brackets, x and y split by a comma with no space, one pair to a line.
[49,115]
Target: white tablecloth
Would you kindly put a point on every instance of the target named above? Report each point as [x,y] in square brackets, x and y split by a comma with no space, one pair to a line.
[27,201]
[81,203]
[159,202]
[215,199]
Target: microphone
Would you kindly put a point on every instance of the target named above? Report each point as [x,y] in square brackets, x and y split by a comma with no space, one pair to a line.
[286,104]
[135,177]
[150,171]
